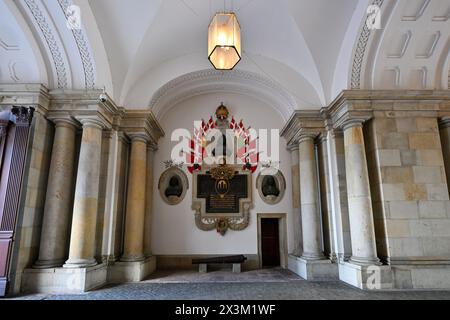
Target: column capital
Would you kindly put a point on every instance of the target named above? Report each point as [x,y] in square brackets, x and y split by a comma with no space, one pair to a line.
[323,137]
[123,137]
[152,147]
[353,122]
[61,121]
[92,122]
[139,137]
[293,147]
[307,136]
[444,122]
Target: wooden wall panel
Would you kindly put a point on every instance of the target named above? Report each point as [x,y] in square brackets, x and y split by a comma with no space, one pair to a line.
[11,175]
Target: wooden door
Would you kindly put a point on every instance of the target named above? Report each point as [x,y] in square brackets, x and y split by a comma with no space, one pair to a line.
[270,242]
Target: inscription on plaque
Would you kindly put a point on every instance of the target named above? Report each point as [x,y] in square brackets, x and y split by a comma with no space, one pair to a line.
[226,201]
[217,202]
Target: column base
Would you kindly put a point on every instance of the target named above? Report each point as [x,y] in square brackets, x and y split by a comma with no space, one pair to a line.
[312,257]
[134,271]
[138,258]
[47,264]
[365,261]
[366,277]
[80,263]
[63,280]
[202,268]
[315,270]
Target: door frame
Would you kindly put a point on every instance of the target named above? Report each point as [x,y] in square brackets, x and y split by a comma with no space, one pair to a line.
[282,236]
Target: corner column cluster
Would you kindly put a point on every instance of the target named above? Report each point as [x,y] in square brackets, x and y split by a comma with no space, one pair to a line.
[96,225]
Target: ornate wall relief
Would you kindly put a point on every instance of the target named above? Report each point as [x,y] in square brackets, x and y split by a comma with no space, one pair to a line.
[222,184]
[173,185]
[271,185]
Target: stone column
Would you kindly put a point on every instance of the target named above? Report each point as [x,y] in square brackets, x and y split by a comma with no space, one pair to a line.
[149,203]
[57,210]
[339,189]
[82,239]
[296,219]
[325,197]
[311,230]
[110,213]
[135,211]
[445,141]
[362,230]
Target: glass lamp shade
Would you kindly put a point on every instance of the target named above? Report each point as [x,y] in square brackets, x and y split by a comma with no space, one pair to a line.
[224,41]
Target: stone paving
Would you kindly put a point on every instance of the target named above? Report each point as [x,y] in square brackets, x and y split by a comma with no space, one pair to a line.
[275,284]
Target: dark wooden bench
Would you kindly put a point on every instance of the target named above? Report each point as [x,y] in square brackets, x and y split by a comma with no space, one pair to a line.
[236,261]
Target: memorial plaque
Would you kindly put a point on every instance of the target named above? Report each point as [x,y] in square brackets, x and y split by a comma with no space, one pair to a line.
[217,202]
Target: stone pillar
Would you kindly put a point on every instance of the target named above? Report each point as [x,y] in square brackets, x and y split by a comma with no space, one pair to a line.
[311,229]
[339,188]
[296,219]
[362,230]
[325,197]
[82,240]
[110,214]
[136,194]
[57,210]
[445,141]
[149,203]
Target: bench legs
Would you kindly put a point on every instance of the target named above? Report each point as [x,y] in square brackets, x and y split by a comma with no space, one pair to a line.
[203,268]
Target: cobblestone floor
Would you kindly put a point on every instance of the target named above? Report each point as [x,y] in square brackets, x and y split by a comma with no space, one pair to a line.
[274,284]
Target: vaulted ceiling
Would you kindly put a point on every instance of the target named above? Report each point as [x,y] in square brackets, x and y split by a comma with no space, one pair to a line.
[301,53]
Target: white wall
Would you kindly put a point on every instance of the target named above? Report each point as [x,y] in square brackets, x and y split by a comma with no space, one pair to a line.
[173,230]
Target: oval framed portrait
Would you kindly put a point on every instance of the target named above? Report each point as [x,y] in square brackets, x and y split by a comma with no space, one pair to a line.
[173,185]
[271,185]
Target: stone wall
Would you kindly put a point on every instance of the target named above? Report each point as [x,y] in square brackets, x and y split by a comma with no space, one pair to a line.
[409,188]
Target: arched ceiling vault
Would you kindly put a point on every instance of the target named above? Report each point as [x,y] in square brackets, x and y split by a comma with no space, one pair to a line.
[411,51]
[308,50]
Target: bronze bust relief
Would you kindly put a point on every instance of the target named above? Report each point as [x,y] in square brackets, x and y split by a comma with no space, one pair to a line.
[271,185]
[173,185]
[174,189]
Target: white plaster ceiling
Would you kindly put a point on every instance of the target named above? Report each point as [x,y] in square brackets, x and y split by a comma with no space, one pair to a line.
[279,40]
[310,49]
[412,50]
[20,59]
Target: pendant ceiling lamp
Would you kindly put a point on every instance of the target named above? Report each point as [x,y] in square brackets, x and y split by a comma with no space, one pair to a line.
[224,41]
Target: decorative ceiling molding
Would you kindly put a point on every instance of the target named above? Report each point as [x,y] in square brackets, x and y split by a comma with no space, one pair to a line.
[441,18]
[60,65]
[8,46]
[428,52]
[419,12]
[213,81]
[397,73]
[13,72]
[83,48]
[360,50]
[406,38]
